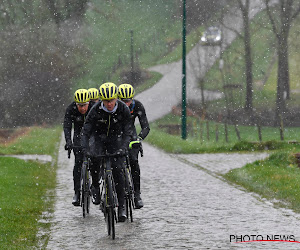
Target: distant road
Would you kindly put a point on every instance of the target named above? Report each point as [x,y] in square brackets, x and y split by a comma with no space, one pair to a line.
[165,94]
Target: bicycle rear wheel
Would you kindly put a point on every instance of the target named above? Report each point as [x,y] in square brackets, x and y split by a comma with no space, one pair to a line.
[129,194]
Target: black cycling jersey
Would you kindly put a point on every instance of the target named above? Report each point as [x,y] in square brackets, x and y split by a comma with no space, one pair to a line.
[137,110]
[73,116]
[112,128]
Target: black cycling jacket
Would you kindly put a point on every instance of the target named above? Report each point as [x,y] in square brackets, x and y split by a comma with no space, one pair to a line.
[137,110]
[113,129]
[73,116]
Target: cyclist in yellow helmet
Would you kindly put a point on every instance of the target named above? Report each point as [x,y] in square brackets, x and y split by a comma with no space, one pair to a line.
[126,93]
[75,116]
[108,123]
[94,94]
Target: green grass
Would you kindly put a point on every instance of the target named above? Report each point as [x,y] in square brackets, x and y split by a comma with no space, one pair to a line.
[25,187]
[106,34]
[38,141]
[275,178]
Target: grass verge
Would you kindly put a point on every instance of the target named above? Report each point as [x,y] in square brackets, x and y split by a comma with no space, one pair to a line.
[276,178]
[24,189]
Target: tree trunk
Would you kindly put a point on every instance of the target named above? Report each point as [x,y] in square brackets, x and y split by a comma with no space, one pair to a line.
[280,99]
[248,59]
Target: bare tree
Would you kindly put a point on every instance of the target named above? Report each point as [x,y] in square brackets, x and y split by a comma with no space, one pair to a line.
[281,17]
[244,7]
[62,10]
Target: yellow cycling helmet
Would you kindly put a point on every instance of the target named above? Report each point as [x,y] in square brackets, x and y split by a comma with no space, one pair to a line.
[108,91]
[94,93]
[81,96]
[126,91]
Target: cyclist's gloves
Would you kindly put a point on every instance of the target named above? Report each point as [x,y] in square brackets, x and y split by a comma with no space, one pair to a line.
[120,151]
[135,144]
[69,145]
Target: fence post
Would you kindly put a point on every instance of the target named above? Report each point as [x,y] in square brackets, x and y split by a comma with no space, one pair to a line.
[226,131]
[259,128]
[207,130]
[281,128]
[237,132]
[217,132]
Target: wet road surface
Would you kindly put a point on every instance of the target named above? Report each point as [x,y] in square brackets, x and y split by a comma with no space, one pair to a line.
[185,208]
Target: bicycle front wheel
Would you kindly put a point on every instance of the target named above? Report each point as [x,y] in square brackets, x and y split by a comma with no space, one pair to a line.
[85,191]
[111,215]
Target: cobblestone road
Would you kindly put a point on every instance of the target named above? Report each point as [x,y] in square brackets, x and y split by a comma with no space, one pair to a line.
[185,208]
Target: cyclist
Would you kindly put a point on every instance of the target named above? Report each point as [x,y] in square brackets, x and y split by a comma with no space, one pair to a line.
[94,95]
[75,116]
[126,93]
[109,123]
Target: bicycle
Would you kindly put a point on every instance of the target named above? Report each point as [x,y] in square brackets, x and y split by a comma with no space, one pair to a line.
[108,195]
[85,182]
[85,186]
[129,190]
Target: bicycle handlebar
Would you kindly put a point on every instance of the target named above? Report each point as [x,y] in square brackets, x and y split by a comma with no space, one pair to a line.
[113,154]
[70,150]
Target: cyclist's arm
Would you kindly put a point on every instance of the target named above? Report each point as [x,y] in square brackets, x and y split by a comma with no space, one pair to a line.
[87,130]
[68,123]
[145,128]
[127,129]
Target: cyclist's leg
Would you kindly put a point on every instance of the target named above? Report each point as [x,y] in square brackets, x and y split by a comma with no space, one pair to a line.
[94,170]
[135,168]
[77,175]
[136,176]
[96,148]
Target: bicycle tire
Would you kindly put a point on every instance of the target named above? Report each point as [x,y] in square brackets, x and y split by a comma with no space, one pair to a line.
[83,200]
[85,191]
[111,207]
[129,194]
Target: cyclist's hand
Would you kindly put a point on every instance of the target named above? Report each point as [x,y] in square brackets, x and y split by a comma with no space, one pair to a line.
[69,146]
[134,144]
[120,151]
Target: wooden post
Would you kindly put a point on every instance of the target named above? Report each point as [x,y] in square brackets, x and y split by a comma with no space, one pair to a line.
[237,131]
[259,128]
[281,128]
[217,132]
[207,130]
[226,131]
